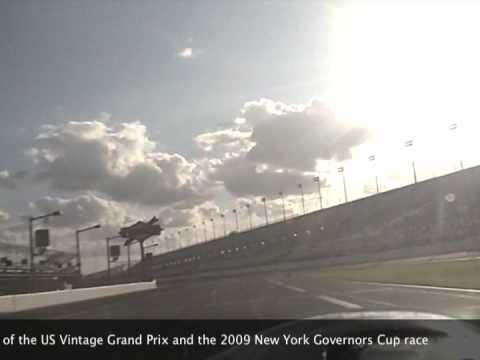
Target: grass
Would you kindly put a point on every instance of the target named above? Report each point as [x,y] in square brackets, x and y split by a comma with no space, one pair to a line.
[459,274]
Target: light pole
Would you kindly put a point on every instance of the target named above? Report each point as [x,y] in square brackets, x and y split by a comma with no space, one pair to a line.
[454,127]
[213,228]
[168,239]
[31,220]
[155,244]
[342,170]
[224,225]
[249,210]
[108,239]
[77,240]
[264,200]
[409,143]
[129,259]
[204,231]
[195,234]
[179,232]
[300,186]
[372,159]
[320,200]
[280,193]
[236,219]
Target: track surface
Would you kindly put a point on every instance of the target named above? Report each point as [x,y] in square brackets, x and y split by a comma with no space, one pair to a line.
[280,295]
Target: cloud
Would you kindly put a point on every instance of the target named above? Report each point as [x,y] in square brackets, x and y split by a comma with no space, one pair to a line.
[275,146]
[82,210]
[188,53]
[119,161]
[242,177]
[4,216]
[185,52]
[232,140]
[11,181]
[296,136]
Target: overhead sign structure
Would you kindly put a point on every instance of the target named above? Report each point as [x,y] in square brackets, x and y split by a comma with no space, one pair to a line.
[141,231]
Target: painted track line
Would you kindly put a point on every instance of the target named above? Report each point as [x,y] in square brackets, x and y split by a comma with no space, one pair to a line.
[339,302]
[426,287]
[289,287]
[326,298]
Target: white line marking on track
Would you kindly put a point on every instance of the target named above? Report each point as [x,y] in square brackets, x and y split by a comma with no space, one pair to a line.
[326,298]
[286,286]
[336,301]
[365,291]
[376,302]
[426,287]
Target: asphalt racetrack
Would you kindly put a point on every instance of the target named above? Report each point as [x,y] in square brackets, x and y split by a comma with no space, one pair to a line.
[292,295]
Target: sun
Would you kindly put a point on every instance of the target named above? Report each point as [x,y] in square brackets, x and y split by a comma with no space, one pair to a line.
[406,69]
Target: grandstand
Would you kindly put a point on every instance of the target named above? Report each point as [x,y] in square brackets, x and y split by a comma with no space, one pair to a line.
[433,217]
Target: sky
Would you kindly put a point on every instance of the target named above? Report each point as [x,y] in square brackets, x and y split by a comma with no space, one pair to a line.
[115,111]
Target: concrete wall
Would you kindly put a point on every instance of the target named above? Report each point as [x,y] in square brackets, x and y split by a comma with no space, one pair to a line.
[14,303]
[432,217]
[21,283]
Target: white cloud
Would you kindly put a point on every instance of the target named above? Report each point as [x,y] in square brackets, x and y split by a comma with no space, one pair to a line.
[188,53]
[275,146]
[242,177]
[296,136]
[231,140]
[119,161]
[83,210]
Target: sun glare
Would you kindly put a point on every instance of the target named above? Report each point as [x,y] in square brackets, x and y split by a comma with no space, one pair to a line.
[407,69]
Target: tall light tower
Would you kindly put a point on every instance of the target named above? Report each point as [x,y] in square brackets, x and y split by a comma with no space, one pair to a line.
[108,239]
[409,143]
[320,200]
[234,211]
[180,237]
[372,159]
[77,240]
[453,127]
[264,200]
[31,220]
[224,224]
[300,186]
[204,230]
[280,193]
[213,228]
[249,210]
[342,170]
[195,233]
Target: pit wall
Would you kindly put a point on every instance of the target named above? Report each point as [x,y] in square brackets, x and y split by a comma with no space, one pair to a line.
[432,217]
[21,302]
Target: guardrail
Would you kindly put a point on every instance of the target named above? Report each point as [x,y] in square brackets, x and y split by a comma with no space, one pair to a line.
[15,303]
